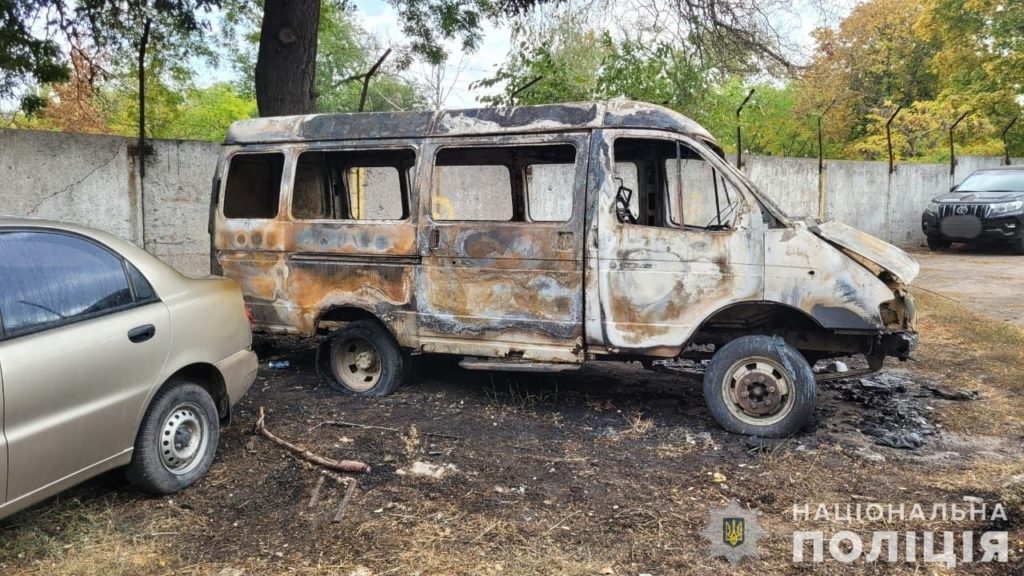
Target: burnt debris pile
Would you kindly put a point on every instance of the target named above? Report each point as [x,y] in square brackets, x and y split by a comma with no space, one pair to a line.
[897,412]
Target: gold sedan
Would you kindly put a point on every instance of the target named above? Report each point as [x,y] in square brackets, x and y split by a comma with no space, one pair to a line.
[110,358]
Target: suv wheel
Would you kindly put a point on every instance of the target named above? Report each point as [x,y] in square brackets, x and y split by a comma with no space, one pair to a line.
[177,440]
[1018,245]
[365,360]
[938,243]
[760,386]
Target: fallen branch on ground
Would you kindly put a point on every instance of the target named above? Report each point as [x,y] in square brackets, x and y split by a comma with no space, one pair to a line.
[340,465]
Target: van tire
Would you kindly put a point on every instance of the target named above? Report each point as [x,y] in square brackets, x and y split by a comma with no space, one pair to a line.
[180,412]
[365,360]
[760,386]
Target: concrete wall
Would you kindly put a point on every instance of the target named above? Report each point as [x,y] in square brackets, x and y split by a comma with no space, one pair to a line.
[94,180]
[862,194]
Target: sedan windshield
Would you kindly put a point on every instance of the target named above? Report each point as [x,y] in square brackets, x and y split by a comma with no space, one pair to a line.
[1003,181]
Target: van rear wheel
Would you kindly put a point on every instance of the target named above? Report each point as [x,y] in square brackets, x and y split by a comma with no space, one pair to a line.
[365,360]
[760,386]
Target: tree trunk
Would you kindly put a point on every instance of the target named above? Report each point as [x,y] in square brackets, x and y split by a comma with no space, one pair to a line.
[286,64]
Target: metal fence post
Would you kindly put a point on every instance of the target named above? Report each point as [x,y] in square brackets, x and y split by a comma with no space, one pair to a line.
[952,150]
[821,164]
[888,138]
[1006,148]
[739,134]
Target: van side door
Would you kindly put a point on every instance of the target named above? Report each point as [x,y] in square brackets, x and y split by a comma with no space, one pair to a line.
[501,243]
[676,241]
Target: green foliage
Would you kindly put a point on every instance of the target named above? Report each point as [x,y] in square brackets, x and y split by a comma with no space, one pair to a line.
[427,23]
[345,50]
[935,58]
[26,57]
[176,111]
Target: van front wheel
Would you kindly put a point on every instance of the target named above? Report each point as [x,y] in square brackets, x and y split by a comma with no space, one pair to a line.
[760,386]
[365,360]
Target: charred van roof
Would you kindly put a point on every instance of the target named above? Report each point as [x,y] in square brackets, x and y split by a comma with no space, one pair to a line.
[471,121]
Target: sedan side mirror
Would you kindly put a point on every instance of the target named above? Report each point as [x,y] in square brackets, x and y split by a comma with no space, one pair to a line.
[952,188]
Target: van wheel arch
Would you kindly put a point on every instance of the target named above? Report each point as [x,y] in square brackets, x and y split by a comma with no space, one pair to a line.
[347,313]
[803,331]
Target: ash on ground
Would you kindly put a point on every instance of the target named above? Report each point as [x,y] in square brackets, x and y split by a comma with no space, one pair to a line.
[896,409]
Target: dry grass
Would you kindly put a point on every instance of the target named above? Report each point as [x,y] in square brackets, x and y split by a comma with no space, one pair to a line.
[963,349]
[93,537]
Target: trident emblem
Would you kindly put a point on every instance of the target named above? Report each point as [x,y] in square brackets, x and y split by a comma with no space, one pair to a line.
[733,531]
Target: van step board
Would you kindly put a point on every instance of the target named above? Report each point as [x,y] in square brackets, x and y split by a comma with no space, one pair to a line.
[472,363]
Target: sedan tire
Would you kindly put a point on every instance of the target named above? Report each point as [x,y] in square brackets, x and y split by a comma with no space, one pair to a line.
[177,440]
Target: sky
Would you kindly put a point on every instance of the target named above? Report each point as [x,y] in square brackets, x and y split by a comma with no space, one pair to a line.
[379,18]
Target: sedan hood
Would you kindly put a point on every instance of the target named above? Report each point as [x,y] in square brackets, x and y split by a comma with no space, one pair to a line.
[863,245]
[980,197]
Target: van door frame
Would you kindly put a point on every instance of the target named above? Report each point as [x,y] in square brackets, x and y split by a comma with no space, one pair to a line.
[728,265]
[538,265]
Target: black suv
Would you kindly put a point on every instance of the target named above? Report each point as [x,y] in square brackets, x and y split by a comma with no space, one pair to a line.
[988,206]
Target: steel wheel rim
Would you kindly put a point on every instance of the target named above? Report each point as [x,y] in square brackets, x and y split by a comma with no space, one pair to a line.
[758,374]
[183,438]
[357,363]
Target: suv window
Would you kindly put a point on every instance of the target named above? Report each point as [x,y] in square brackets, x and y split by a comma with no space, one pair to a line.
[533,183]
[50,278]
[352,185]
[253,186]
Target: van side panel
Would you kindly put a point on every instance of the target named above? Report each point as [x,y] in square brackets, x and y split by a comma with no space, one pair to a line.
[293,272]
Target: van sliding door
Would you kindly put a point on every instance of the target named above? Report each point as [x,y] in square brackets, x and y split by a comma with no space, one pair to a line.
[501,245]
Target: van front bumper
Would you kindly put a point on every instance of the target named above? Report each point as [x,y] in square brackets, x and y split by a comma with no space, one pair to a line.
[898,344]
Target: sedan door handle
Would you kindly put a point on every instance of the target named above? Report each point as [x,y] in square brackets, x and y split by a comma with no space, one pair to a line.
[142,333]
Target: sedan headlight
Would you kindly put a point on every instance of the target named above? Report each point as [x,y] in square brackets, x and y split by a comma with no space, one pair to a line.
[1006,207]
[932,207]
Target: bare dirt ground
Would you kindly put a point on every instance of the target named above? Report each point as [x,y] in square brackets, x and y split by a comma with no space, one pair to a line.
[985,278]
[609,470]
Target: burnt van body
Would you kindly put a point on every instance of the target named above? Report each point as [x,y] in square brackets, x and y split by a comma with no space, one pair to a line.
[543,237]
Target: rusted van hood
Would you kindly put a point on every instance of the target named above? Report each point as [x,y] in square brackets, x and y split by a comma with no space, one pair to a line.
[863,245]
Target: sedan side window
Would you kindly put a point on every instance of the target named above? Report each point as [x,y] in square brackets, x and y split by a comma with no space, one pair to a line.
[49,278]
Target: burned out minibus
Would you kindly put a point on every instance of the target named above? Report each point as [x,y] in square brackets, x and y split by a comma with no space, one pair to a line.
[543,237]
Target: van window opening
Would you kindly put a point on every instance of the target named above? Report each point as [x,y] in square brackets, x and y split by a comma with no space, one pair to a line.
[352,185]
[528,183]
[253,187]
[675,187]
